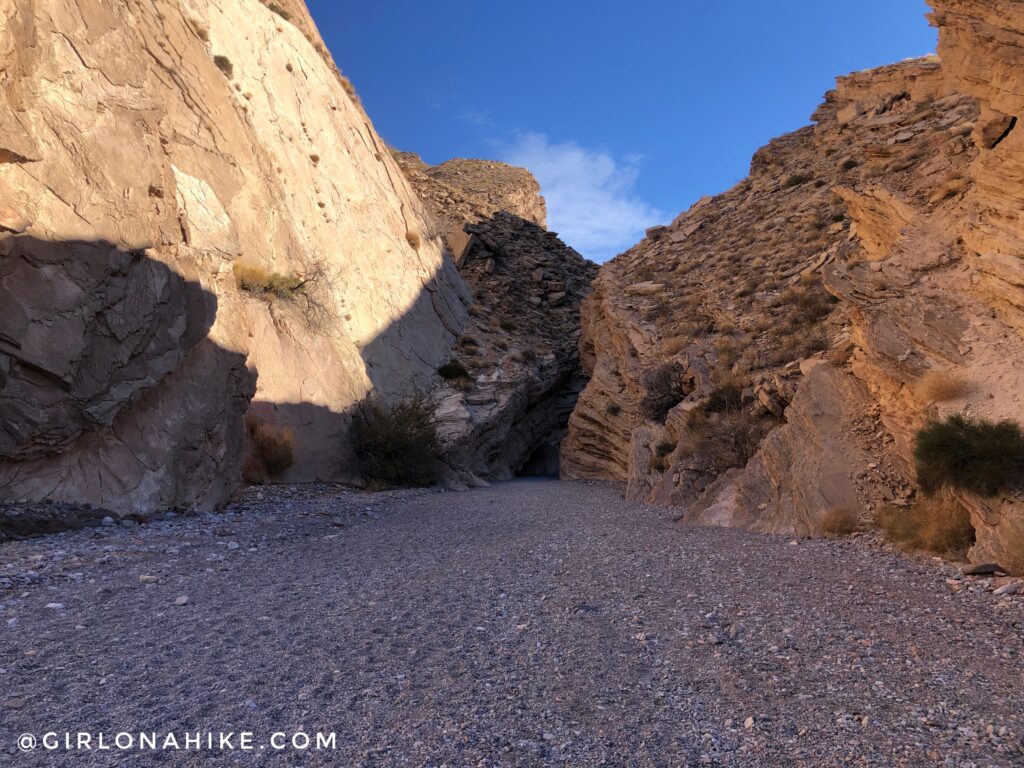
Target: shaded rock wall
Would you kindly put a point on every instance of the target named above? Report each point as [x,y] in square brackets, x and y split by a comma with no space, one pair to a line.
[519,347]
[786,324]
[144,150]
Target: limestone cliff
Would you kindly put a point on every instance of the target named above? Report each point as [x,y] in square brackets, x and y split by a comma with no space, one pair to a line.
[147,150]
[758,361]
[515,374]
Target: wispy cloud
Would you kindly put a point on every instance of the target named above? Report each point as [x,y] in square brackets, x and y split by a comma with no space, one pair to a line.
[591,199]
[477,118]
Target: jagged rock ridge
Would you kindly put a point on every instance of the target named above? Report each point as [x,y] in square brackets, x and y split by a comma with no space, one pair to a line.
[757,361]
[519,347]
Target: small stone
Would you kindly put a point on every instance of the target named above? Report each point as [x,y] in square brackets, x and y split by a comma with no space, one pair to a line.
[108,520]
[748,723]
[14,703]
[232,545]
[1012,588]
[181,600]
[149,579]
[55,606]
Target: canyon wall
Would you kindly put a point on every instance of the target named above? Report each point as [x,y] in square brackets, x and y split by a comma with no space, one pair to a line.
[147,150]
[515,374]
[760,361]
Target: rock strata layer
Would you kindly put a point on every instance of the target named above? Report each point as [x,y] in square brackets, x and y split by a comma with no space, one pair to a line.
[515,371]
[147,151]
[759,362]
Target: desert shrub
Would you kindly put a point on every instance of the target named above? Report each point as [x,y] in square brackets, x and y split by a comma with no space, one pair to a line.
[972,454]
[940,524]
[797,179]
[726,439]
[527,355]
[256,280]
[453,369]
[812,306]
[224,65]
[662,450]
[271,450]
[838,217]
[849,164]
[940,386]
[279,11]
[398,444]
[613,409]
[507,325]
[727,397]
[412,237]
[838,522]
[663,391]
[675,345]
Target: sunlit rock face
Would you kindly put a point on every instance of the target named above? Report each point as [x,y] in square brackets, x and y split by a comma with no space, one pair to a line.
[758,362]
[146,151]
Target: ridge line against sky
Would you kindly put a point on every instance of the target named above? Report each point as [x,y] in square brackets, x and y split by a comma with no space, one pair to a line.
[625,113]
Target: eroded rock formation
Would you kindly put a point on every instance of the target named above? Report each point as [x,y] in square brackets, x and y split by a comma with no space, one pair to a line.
[145,151]
[507,412]
[758,361]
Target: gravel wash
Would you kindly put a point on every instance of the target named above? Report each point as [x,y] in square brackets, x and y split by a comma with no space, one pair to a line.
[530,623]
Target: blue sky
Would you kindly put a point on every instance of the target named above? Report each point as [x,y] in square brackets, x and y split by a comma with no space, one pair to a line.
[627,112]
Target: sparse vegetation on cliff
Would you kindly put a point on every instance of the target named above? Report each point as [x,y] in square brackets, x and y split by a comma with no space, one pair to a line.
[309,290]
[396,444]
[224,65]
[663,391]
[940,386]
[975,455]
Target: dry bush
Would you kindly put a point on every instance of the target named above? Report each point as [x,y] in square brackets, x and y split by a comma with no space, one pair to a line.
[453,369]
[939,524]
[659,458]
[412,237]
[663,391]
[310,290]
[279,11]
[271,450]
[726,439]
[675,345]
[940,386]
[397,445]
[838,522]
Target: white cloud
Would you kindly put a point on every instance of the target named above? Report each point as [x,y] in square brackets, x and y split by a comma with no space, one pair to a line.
[590,195]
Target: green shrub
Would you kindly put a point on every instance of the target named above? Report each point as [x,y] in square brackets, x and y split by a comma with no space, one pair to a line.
[397,445]
[224,65]
[453,369]
[971,454]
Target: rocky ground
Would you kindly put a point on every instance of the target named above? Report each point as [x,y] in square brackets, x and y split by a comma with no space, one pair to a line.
[529,623]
